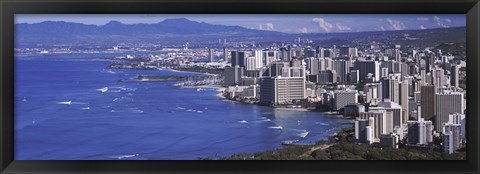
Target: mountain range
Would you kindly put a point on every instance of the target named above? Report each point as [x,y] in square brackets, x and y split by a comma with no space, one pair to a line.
[182,30]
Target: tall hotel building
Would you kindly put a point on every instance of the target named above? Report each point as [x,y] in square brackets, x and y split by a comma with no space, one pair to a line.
[343,98]
[427,102]
[370,125]
[283,89]
[446,103]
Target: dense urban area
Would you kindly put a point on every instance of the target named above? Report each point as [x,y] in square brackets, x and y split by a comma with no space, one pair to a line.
[407,102]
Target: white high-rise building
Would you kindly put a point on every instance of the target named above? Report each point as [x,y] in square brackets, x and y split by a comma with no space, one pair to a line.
[447,102]
[343,98]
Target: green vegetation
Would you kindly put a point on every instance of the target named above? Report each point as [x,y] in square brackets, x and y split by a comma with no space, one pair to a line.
[341,146]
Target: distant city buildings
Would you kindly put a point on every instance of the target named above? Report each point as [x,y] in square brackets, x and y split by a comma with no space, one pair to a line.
[394,96]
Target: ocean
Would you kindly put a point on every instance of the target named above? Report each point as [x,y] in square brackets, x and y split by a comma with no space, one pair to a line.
[71,107]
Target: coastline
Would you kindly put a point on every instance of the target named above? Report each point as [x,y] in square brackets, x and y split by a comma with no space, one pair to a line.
[174,70]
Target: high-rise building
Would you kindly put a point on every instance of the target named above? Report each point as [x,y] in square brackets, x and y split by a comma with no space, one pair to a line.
[313,66]
[457,118]
[368,67]
[451,137]
[343,98]
[211,55]
[354,76]
[238,58]
[352,52]
[258,54]
[391,88]
[276,68]
[420,132]
[225,55]
[269,56]
[404,90]
[362,134]
[454,75]
[233,75]
[342,67]
[326,77]
[438,77]
[427,102]
[447,102]
[373,92]
[379,122]
[281,90]
[396,110]
[298,71]
[250,63]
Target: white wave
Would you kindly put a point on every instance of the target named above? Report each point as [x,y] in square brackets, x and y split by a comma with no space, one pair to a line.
[65,103]
[115,90]
[109,71]
[104,89]
[303,134]
[181,108]
[80,103]
[113,110]
[115,99]
[243,121]
[191,110]
[86,108]
[267,120]
[137,111]
[289,141]
[24,99]
[275,127]
[125,156]
[262,118]
[299,130]
[200,111]
[33,122]
[324,124]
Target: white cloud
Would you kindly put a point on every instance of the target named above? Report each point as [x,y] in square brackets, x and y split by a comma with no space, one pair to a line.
[396,25]
[266,26]
[380,28]
[423,27]
[326,26]
[423,19]
[439,22]
[342,27]
[304,30]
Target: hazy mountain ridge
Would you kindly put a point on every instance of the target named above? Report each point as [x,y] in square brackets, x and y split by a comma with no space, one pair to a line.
[184,30]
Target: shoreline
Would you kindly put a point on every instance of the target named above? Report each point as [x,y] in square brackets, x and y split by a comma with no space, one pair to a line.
[174,70]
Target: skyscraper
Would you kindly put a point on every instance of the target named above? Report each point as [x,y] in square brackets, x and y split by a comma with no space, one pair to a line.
[225,55]
[447,102]
[368,66]
[211,55]
[427,102]
[238,58]
[404,90]
[454,75]
[233,75]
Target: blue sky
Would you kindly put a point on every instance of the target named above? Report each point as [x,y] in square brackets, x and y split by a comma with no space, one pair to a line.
[296,23]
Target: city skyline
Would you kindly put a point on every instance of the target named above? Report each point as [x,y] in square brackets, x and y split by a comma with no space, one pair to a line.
[297,23]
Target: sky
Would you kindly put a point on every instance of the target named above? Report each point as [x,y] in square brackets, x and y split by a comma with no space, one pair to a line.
[288,23]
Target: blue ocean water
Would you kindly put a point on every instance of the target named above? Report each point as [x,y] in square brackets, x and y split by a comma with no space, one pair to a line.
[70,107]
